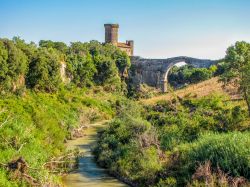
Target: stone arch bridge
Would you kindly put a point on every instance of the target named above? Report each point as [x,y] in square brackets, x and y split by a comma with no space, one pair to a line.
[154,72]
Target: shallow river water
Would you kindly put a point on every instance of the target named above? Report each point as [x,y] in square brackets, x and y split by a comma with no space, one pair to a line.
[89,174]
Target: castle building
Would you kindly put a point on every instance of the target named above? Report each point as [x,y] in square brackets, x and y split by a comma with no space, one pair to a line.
[111,36]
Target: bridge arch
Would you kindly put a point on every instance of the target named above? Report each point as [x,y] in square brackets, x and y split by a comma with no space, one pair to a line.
[170,65]
[154,72]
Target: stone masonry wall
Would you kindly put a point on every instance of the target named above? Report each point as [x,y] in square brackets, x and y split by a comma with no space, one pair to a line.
[153,72]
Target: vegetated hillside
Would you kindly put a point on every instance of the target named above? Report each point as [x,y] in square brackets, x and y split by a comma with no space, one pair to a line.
[35,126]
[39,110]
[196,136]
[178,142]
[195,139]
[199,90]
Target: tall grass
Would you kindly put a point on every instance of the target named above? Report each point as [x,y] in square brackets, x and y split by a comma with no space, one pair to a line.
[228,151]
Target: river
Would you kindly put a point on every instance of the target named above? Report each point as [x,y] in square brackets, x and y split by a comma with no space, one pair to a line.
[89,174]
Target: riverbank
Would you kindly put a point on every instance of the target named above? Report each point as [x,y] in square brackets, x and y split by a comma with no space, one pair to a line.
[35,126]
[88,172]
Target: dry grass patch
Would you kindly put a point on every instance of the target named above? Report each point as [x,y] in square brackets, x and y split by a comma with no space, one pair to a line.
[202,89]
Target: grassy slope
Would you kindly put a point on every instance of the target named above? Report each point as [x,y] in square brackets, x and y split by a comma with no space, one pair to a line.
[205,88]
[186,133]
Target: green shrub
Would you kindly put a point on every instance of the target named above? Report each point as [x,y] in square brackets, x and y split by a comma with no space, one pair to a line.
[126,135]
[200,74]
[185,120]
[169,182]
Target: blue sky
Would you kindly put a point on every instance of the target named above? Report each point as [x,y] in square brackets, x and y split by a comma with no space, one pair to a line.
[160,28]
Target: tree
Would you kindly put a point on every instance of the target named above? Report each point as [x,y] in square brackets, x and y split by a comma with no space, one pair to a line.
[13,66]
[237,69]
[60,46]
[188,74]
[28,49]
[81,68]
[122,61]
[44,70]
[78,48]
[200,74]
[107,72]
[245,84]
[95,48]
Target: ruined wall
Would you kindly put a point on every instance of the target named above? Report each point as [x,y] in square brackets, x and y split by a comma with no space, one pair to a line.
[126,48]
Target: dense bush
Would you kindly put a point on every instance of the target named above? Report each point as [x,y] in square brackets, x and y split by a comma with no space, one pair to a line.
[129,147]
[185,120]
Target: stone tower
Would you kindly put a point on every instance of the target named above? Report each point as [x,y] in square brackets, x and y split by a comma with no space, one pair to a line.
[111,33]
[111,36]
